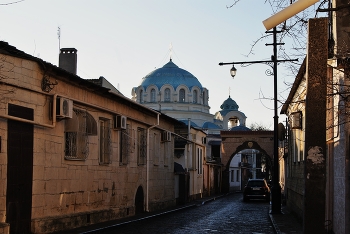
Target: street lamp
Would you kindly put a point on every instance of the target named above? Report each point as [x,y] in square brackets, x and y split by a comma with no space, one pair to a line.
[276,188]
[233,71]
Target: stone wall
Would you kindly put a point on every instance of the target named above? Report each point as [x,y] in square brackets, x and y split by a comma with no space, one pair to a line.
[294,191]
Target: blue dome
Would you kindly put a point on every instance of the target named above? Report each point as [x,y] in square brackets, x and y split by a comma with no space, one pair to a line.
[240,128]
[186,122]
[210,125]
[229,104]
[172,75]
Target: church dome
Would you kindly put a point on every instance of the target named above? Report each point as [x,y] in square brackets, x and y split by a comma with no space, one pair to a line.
[229,104]
[240,128]
[172,75]
[210,125]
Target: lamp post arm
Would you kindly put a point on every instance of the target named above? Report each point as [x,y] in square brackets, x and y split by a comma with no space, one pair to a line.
[262,61]
[250,62]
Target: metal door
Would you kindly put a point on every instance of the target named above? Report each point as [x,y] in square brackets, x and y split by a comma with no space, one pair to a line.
[19,170]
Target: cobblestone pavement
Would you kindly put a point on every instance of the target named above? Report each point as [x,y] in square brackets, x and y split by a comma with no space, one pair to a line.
[229,214]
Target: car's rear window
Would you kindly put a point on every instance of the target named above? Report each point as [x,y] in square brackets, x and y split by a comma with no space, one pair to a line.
[256,183]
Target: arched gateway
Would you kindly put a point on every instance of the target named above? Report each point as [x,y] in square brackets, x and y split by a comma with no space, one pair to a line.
[235,141]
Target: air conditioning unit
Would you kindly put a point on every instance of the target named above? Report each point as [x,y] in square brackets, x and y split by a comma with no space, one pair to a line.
[64,108]
[166,136]
[120,122]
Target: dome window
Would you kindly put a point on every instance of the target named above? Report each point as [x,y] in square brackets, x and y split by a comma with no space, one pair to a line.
[141,96]
[195,95]
[167,95]
[182,95]
[153,95]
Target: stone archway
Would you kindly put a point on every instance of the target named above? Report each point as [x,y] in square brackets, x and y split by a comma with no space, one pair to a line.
[235,141]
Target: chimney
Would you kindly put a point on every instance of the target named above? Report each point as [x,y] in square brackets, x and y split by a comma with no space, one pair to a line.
[68,60]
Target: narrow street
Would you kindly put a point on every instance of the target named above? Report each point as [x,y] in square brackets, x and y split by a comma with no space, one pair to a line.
[228,214]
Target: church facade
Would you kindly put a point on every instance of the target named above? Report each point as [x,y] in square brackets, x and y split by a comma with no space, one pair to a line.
[177,93]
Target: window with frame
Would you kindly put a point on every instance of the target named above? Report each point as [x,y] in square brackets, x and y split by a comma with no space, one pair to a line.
[124,145]
[77,130]
[182,95]
[195,96]
[142,146]
[153,95]
[167,95]
[105,141]
[237,175]
[232,176]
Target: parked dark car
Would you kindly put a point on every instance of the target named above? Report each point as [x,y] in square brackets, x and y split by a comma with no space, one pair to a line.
[256,189]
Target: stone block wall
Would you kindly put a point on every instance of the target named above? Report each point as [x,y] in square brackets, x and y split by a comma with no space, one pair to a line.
[71,193]
[294,191]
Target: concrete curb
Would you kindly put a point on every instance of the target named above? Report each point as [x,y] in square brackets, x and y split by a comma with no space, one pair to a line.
[138,219]
[274,224]
[213,198]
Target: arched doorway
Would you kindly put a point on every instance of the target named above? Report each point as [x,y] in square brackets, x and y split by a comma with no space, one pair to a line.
[139,201]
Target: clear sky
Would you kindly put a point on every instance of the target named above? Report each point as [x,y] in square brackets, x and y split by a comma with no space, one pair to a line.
[125,40]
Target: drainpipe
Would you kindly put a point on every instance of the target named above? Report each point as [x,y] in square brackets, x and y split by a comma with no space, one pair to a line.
[147,163]
[189,155]
[189,138]
[209,174]
[194,157]
[220,179]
